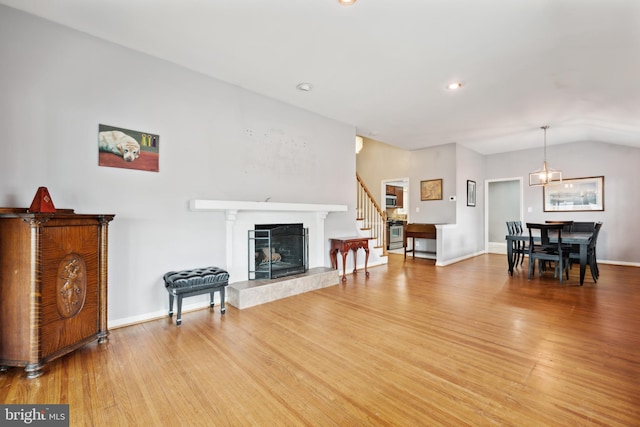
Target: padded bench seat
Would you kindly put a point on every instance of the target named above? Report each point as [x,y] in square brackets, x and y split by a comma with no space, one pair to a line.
[198,281]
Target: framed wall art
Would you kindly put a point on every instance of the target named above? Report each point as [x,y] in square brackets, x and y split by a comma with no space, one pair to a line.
[431,189]
[471,193]
[573,195]
[128,149]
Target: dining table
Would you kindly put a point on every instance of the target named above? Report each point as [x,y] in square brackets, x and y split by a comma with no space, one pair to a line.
[581,238]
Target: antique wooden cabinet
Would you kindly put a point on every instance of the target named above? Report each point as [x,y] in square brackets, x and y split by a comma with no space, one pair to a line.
[53,285]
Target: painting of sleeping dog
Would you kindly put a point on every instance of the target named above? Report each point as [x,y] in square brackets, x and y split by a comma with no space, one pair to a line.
[128,149]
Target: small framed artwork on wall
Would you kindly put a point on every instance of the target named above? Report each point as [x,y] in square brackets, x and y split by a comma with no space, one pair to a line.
[431,189]
[471,193]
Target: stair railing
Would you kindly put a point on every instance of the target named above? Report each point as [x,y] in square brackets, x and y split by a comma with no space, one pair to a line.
[372,216]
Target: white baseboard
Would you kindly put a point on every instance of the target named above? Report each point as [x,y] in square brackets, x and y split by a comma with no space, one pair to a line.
[497,248]
[128,321]
[462,258]
[624,263]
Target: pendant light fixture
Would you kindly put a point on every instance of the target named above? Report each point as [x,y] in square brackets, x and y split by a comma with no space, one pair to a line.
[545,175]
[359,144]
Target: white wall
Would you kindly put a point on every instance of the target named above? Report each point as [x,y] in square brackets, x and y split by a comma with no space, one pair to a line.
[464,235]
[433,163]
[217,141]
[468,235]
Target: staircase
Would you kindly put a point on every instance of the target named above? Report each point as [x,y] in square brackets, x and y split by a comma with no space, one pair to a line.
[372,222]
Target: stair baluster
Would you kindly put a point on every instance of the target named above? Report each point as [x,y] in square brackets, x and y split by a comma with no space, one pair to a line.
[373,218]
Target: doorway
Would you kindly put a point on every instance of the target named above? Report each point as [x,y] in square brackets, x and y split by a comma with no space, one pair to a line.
[503,202]
[402,210]
[398,215]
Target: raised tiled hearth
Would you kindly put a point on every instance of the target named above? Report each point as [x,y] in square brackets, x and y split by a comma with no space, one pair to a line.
[254,292]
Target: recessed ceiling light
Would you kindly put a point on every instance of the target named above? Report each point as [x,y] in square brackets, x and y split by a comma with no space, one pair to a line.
[346,2]
[454,85]
[305,87]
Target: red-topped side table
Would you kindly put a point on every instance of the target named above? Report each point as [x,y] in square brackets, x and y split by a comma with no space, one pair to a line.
[343,245]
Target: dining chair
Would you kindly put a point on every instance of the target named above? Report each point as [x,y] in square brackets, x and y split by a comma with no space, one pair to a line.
[544,250]
[583,226]
[523,247]
[596,232]
[574,254]
[518,247]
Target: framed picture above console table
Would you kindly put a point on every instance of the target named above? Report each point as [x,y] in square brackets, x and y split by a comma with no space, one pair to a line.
[53,285]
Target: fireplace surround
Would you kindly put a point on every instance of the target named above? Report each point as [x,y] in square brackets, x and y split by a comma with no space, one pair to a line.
[242,216]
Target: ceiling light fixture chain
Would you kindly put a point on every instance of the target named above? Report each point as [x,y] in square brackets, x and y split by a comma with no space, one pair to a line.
[544,128]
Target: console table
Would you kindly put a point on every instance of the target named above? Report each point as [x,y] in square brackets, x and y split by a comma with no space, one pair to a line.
[418,231]
[53,285]
[344,245]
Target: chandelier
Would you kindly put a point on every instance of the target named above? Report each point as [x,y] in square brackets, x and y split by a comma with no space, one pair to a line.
[545,175]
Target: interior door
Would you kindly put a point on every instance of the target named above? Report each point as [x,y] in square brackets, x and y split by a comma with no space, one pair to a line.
[503,203]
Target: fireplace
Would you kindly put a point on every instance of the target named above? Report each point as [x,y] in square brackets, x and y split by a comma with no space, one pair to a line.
[242,216]
[277,250]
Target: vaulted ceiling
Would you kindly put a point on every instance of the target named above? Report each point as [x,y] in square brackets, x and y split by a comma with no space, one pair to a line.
[383,66]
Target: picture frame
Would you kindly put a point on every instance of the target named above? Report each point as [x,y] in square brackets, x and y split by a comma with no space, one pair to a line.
[471,193]
[128,149]
[431,189]
[574,195]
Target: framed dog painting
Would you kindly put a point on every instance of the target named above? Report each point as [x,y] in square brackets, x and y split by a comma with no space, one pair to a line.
[128,149]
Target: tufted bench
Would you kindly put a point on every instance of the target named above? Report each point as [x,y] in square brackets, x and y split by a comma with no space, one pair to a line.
[198,281]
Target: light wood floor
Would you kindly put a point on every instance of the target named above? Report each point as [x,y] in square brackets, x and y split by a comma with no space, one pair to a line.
[413,345]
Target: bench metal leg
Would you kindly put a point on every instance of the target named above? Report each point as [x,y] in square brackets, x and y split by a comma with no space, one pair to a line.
[179,318]
[180,296]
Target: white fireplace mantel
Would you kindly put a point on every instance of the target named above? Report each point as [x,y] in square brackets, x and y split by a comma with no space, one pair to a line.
[243,215]
[230,205]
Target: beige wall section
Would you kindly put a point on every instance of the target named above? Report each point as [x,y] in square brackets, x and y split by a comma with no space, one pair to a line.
[378,161]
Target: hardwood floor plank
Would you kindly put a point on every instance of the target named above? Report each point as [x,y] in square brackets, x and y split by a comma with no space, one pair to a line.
[414,344]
